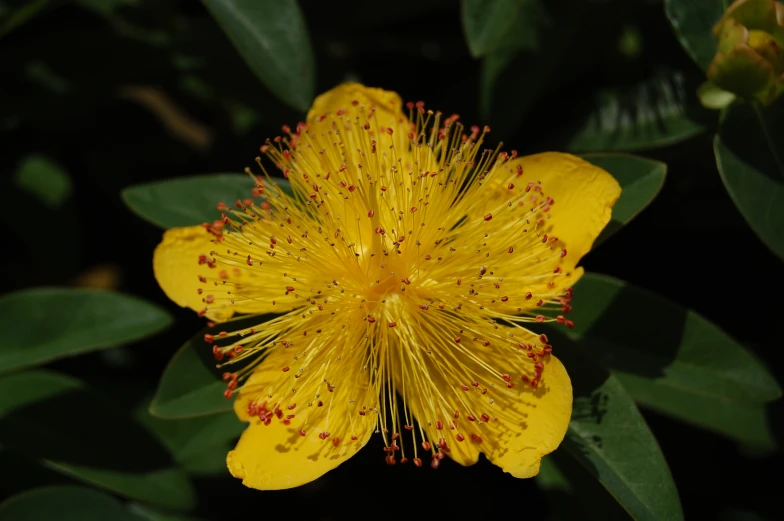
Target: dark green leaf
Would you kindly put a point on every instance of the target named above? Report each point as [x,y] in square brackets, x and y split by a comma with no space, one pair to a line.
[44,324]
[77,432]
[199,444]
[273,40]
[64,503]
[654,113]
[609,437]
[671,358]
[21,15]
[750,159]
[491,25]
[149,514]
[189,201]
[693,23]
[640,178]
[44,180]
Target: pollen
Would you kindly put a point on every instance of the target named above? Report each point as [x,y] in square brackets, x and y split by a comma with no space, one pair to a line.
[402,262]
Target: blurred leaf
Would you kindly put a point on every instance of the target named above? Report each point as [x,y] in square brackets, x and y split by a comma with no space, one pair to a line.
[189,201]
[609,437]
[64,503]
[640,179]
[273,40]
[654,113]
[750,158]
[107,7]
[693,23]
[672,359]
[149,514]
[77,432]
[21,15]
[44,180]
[44,324]
[199,444]
[491,25]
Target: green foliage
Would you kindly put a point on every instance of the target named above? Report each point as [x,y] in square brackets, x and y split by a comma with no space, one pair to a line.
[89,439]
[64,503]
[640,180]
[45,324]
[693,25]
[492,25]
[273,40]
[751,163]
[45,180]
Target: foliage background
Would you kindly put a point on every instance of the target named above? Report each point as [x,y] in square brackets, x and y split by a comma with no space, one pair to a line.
[118,93]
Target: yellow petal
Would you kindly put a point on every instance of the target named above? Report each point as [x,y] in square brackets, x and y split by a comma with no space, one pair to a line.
[177,269]
[276,455]
[387,104]
[584,195]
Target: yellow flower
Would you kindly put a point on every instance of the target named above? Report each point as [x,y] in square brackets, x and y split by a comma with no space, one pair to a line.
[409,262]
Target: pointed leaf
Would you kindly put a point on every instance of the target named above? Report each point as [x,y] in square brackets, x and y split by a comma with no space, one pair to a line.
[654,113]
[189,201]
[491,25]
[273,40]
[640,179]
[44,324]
[92,440]
[693,23]
[64,503]
[671,358]
[750,158]
[609,437]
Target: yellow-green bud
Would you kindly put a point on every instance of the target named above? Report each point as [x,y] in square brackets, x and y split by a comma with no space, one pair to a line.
[750,58]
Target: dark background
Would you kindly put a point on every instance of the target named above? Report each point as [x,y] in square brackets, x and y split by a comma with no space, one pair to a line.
[691,245]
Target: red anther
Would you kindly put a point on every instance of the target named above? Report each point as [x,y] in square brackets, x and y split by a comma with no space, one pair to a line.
[238,204]
[504,298]
[320,403]
[324,435]
[531,355]
[557,269]
[249,262]
[464,387]
[488,217]
[569,293]
[289,288]
[540,318]
[471,418]
[410,105]
[529,296]
[563,252]
[428,257]
[485,417]
[459,281]
[539,365]
[403,461]
[313,195]
[423,306]
[392,324]
[458,340]
[547,350]
[535,382]
[413,209]
[202,313]
[434,463]
[351,188]
[383,188]
[476,437]
[302,432]
[486,343]
[263,149]
[371,319]
[379,229]
[286,422]
[209,338]
[342,184]
[459,437]
[560,319]
[393,447]
[354,438]
[524,378]
[405,280]
[441,442]
[389,131]
[340,112]
[539,302]
[292,406]
[506,377]
[475,384]
[362,413]
[335,442]
[401,238]
[509,385]
[227,394]
[395,436]
[371,213]
[543,338]
[569,323]
[426,445]
[226,377]
[408,427]
[439,425]
[390,460]
[442,454]
[417,462]
[202,279]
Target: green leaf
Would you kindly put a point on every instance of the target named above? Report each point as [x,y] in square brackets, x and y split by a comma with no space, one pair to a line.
[751,163]
[189,201]
[654,113]
[64,503]
[77,432]
[672,359]
[693,23]
[609,437]
[149,514]
[640,179]
[199,444]
[491,25]
[273,40]
[44,180]
[45,324]
[21,15]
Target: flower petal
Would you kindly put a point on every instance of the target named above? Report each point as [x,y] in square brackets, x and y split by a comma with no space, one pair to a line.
[275,454]
[387,104]
[583,196]
[177,268]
